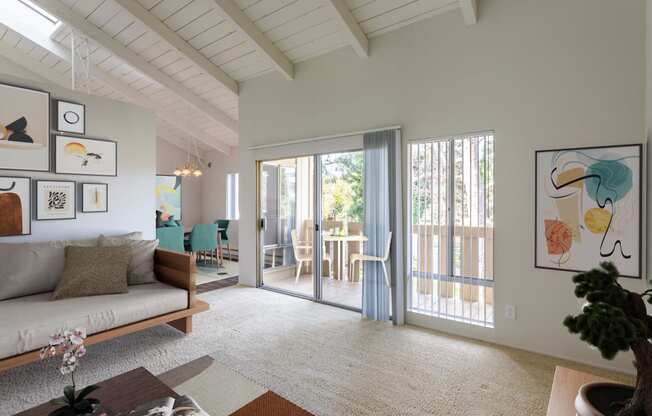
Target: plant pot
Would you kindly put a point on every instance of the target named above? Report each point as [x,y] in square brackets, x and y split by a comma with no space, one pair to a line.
[595,399]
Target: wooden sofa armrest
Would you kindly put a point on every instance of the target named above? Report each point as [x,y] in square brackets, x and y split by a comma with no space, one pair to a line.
[175,269]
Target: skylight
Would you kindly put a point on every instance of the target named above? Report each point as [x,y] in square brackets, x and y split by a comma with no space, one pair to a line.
[38,10]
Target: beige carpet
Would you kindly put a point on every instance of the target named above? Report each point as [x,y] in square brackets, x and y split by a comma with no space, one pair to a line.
[324,359]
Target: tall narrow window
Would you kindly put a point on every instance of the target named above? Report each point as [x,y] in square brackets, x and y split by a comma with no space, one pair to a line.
[232,207]
[451,223]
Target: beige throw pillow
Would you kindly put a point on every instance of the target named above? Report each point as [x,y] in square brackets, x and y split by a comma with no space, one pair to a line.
[141,268]
[93,271]
[29,268]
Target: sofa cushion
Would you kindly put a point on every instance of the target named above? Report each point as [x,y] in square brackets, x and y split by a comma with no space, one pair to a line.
[141,267]
[93,271]
[26,323]
[30,268]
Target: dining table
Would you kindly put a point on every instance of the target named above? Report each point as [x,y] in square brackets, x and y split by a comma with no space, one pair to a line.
[340,241]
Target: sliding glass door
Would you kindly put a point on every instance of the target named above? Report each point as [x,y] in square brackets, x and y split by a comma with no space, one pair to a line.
[342,211]
[286,194]
[308,202]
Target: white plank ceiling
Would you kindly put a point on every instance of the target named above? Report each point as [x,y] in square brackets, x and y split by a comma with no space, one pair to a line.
[299,29]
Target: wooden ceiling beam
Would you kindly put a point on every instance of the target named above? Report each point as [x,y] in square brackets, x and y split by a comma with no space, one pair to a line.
[141,14]
[469,11]
[357,38]
[241,21]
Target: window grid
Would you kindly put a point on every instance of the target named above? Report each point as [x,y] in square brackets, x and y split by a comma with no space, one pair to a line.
[451,224]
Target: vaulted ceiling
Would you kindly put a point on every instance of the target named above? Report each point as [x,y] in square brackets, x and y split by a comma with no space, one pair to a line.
[186,58]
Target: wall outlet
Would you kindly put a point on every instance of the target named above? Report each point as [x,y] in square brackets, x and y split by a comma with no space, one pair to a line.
[510,312]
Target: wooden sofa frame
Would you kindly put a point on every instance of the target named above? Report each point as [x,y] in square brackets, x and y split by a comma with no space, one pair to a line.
[171,268]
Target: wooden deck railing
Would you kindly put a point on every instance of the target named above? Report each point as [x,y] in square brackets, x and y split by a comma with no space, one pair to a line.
[430,259]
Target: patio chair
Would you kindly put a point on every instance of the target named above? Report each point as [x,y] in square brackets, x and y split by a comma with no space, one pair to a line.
[382,260]
[303,253]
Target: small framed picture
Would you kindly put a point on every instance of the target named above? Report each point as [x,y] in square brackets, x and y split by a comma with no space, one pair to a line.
[55,200]
[95,197]
[15,206]
[71,117]
[83,156]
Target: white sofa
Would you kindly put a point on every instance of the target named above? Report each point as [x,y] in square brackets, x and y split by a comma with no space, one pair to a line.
[29,273]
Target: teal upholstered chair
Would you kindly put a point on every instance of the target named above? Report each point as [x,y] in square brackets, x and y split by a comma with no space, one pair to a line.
[170,238]
[223,225]
[203,240]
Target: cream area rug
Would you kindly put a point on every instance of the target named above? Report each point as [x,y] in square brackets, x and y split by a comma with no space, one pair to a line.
[327,360]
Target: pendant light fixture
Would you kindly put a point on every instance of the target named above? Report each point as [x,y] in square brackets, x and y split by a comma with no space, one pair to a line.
[190,168]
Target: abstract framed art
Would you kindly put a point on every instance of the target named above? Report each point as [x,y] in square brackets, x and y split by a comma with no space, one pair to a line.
[71,117]
[15,206]
[55,200]
[83,156]
[94,197]
[168,196]
[24,128]
[588,208]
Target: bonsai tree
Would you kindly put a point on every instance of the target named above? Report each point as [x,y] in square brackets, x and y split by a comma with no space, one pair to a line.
[615,319]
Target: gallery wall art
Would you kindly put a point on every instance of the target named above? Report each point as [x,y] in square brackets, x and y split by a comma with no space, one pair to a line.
[24,128]
[168,196]
[84,156]
[71,117]
[95,197]
[55,200]
[15,206]
[588,208]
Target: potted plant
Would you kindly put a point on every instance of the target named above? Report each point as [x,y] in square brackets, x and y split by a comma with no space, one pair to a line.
[70,344]
[614,319]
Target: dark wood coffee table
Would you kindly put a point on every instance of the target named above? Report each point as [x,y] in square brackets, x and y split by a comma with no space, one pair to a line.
[120,394]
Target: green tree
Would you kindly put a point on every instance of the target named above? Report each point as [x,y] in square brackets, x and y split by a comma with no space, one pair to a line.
[343,186]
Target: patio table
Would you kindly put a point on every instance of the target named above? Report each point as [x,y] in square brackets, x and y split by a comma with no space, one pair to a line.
[339,240]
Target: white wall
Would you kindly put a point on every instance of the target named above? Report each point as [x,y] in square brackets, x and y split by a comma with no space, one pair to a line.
[214,190]
[131,193]
[542,74]
[168,158]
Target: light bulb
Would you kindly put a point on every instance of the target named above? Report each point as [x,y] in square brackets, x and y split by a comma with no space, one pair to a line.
[185,172]
[197,172]
[177,172]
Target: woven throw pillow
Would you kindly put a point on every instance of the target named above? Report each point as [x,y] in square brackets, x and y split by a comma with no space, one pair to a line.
[141,267]
[93,271]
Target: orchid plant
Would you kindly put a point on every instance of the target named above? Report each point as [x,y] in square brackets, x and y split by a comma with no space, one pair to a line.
[70,344]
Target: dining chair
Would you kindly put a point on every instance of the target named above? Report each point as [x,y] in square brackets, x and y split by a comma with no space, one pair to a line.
[203,240]
[303,253]
[170,238]
[223,226]
[382,260]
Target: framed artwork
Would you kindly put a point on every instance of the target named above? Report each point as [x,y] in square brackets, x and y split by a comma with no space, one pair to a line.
[15,206]
[71,117]
[588,208]
[95,197]
[83,156]
[55,200]
[168,196]
[24,128]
